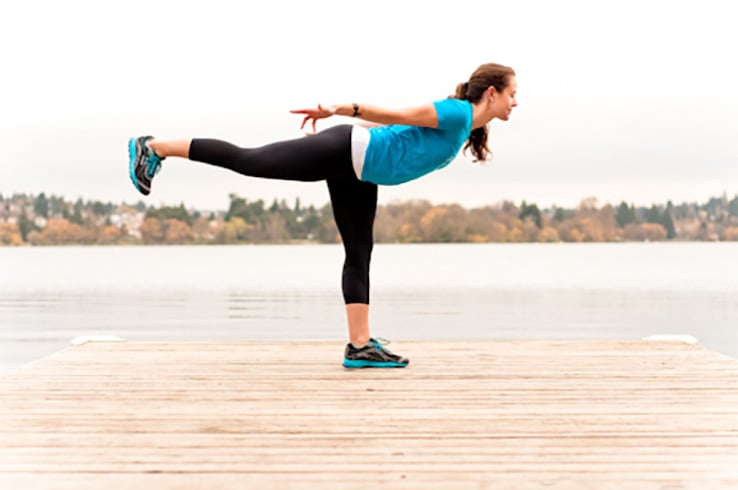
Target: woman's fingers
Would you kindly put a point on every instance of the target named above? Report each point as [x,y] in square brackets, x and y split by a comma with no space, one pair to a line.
[312,115]
[319,113]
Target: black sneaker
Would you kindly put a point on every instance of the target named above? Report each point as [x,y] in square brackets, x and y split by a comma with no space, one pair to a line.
[143,163]
[374,354]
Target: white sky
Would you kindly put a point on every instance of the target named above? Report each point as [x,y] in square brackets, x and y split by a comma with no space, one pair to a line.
[633,100]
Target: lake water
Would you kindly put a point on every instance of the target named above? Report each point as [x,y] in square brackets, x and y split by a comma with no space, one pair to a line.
[49,295]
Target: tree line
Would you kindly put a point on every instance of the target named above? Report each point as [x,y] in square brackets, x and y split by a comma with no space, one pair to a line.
[51,220]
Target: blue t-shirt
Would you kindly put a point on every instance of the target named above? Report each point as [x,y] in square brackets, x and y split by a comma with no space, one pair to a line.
[397,153]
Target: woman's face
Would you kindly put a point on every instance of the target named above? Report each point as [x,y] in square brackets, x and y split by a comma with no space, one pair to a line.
[503,102]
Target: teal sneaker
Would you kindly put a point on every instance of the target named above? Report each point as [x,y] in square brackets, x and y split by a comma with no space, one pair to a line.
[374,354]
[143,163]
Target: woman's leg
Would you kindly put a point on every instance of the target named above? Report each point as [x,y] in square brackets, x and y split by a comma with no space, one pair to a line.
[324,155]
[179,148]
[357,315]
[354,205]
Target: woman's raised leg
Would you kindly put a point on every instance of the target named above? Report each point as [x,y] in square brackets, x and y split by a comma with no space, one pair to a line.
[319,157]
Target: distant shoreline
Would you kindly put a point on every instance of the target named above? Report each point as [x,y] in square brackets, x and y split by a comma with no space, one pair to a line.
[44,221]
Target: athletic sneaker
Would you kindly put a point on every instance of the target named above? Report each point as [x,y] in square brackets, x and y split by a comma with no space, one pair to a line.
[374,354]
[143,164]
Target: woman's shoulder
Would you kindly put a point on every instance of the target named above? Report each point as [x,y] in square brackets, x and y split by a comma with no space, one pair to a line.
[453,113]
[451,102]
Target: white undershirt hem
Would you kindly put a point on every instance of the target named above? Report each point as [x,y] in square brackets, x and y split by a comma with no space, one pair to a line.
[359,141]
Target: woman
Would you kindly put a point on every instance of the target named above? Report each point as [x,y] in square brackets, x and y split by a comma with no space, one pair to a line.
[403,145]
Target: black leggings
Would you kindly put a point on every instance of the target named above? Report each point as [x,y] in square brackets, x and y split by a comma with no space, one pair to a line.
[324,156]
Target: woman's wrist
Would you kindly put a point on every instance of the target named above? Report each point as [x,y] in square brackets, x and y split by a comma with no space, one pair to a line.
[348,110]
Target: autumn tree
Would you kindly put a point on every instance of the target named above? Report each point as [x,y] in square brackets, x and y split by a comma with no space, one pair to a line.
[177,232]
[407,233]
[443,224]
[644,231]
[202,229]
[109,235]
[152,231]
[569,231]
[549,234]
[730,234]
[232,231]
[479,225]
[490,221]
[10,234]
[62,232]
[399,221]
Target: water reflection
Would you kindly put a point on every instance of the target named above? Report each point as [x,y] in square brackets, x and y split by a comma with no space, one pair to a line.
[32,326]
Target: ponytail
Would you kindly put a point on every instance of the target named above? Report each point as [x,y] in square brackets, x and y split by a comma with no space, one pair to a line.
[461,90]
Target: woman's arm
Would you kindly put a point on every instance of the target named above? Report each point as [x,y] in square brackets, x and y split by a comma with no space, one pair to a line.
[424,115]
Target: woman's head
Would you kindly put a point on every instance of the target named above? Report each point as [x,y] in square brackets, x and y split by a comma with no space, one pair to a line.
[494,85]
[484,77]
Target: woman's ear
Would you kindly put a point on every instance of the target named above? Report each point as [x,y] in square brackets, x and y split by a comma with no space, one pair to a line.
[491,92]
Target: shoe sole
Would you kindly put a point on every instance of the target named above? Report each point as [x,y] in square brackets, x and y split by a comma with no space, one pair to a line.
[132,147]
[348,363]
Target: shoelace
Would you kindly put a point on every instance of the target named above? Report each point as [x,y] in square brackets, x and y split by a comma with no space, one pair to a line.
[380,343]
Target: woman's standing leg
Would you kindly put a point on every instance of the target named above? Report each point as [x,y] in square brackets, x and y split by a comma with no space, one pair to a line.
[354,206]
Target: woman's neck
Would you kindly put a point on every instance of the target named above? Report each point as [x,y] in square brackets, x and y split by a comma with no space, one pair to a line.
[481,114]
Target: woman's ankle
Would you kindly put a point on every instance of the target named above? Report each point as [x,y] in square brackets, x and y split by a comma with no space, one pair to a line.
[359,341]
[157,148]
[179,148]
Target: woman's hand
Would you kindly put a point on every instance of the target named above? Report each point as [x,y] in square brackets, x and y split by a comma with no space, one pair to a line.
[314,114]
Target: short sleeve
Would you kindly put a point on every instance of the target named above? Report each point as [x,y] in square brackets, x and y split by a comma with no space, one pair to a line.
[453,114]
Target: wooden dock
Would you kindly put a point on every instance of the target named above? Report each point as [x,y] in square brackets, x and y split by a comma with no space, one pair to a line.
[285,415]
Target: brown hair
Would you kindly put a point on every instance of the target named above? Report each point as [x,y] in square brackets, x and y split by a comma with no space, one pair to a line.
[487,75]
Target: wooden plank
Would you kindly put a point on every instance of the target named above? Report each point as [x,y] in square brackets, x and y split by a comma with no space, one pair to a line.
[553,414]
